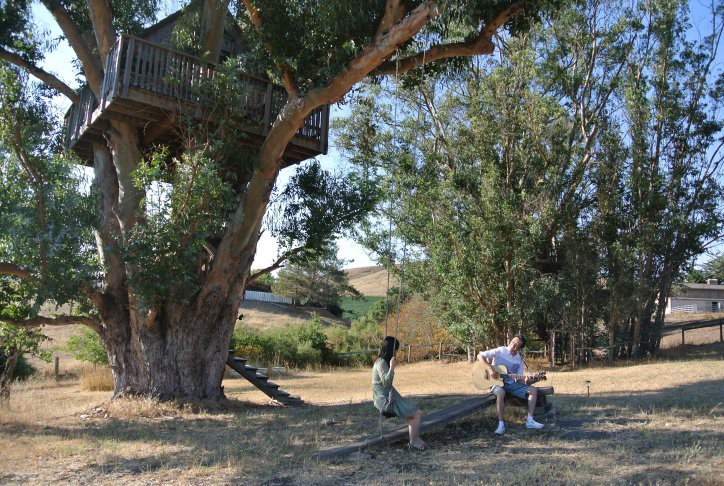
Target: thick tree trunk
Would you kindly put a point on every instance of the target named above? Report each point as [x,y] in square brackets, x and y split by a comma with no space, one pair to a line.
[178,358]
[177,353]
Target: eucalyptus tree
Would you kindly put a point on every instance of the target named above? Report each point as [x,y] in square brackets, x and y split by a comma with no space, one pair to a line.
[489,173]
[163,308]
[671,201]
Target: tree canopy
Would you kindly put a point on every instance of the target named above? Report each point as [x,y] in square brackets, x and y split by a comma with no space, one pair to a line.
[560,187]
[159,246]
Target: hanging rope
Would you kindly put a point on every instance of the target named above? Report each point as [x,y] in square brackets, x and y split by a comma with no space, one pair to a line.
[389,217]
[389,245]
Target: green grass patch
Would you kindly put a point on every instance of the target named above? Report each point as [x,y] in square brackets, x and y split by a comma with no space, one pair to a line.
[355,307]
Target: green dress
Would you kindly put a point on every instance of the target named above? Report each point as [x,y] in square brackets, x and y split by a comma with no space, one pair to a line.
[382,387]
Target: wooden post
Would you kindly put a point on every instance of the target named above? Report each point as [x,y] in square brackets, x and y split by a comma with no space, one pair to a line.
[409,353]
[573,350]
[129,65]
[721,336]
[683,347]
[56,366]
[553,349]
[439,349]
[324,129]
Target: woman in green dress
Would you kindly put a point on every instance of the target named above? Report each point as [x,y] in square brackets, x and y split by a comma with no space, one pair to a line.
[387,400]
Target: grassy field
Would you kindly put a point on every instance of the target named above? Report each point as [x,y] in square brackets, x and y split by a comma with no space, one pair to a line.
[658,422]
[356,307]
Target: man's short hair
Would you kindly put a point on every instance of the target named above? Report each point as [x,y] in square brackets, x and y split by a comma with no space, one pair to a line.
[522,340]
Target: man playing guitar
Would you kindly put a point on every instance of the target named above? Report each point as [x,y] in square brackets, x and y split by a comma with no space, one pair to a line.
[510,357]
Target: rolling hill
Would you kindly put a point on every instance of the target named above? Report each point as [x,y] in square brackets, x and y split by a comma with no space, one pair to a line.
[370,281]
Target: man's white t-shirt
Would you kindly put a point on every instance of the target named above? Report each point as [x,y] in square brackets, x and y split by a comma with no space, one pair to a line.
[502,356]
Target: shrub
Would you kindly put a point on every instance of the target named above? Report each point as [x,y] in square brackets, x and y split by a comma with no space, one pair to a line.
[23,369]
[87,346]
[303,345]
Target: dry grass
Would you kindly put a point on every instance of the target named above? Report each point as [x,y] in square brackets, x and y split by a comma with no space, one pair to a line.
[655,423]
[96,378]
[266,315]
[369,280]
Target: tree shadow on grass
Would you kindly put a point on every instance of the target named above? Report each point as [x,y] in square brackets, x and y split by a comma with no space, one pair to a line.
[268,444]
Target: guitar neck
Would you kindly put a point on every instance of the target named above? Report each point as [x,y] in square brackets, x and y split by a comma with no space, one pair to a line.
[516,377]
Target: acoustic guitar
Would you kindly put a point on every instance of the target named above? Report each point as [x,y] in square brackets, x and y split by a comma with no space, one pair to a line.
[483,380]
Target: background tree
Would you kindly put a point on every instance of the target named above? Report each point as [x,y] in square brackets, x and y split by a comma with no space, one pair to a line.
[165,310]
[714,268]
[594,140]
[319,282]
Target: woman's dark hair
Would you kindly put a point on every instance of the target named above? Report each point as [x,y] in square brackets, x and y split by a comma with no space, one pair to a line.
[522,340]
[389,346]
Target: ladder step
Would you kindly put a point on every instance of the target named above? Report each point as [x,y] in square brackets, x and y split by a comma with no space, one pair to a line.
[261,376]
[232,351]
[249,368]
[239,360]
[281,393]
[270,384]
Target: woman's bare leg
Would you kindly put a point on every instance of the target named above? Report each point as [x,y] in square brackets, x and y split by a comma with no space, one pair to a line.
[413,425]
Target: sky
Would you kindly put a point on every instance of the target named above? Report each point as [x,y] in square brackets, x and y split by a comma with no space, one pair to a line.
[349,250]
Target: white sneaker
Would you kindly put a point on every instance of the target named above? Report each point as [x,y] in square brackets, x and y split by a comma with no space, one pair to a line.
[532,424]
[500,430]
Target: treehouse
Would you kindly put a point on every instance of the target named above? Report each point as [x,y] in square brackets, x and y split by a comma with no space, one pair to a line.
[550,260]
[150,85]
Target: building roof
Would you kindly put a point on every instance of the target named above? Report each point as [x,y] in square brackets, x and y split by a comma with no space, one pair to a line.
[698,286]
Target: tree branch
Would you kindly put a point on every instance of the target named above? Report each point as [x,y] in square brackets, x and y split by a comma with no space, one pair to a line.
[373,55]
[91,66]
[277,264]
[290,85]
[213,17]
[480,44]
[49,79]
[12,269]
[394,11]
[101,17]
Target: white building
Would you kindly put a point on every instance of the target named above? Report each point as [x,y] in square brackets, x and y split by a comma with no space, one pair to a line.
[693,297]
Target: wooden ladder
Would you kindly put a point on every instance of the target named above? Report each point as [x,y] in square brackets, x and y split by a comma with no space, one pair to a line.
[261,381]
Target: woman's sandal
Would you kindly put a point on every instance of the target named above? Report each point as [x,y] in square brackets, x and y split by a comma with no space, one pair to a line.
[420,447]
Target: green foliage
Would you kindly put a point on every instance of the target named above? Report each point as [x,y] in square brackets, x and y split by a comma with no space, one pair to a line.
[263,282]
[23,368]
[533,194]
[714,268]
[300,346]
[318,38]
[45,215]
[14,342]
[316,207]
[87,346]
[356,307]
[319,282]
[179,220]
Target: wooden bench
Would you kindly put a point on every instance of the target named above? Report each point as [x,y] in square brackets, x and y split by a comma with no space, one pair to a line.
[542,407]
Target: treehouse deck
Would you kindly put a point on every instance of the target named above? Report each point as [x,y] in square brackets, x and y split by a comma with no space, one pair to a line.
[150,86]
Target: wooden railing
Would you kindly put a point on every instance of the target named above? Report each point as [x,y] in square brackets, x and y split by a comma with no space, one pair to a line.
[136,64]
[79,115]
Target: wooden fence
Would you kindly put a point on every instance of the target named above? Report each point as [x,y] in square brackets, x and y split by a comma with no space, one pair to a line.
[667,330]
[443,349]
[267,297]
